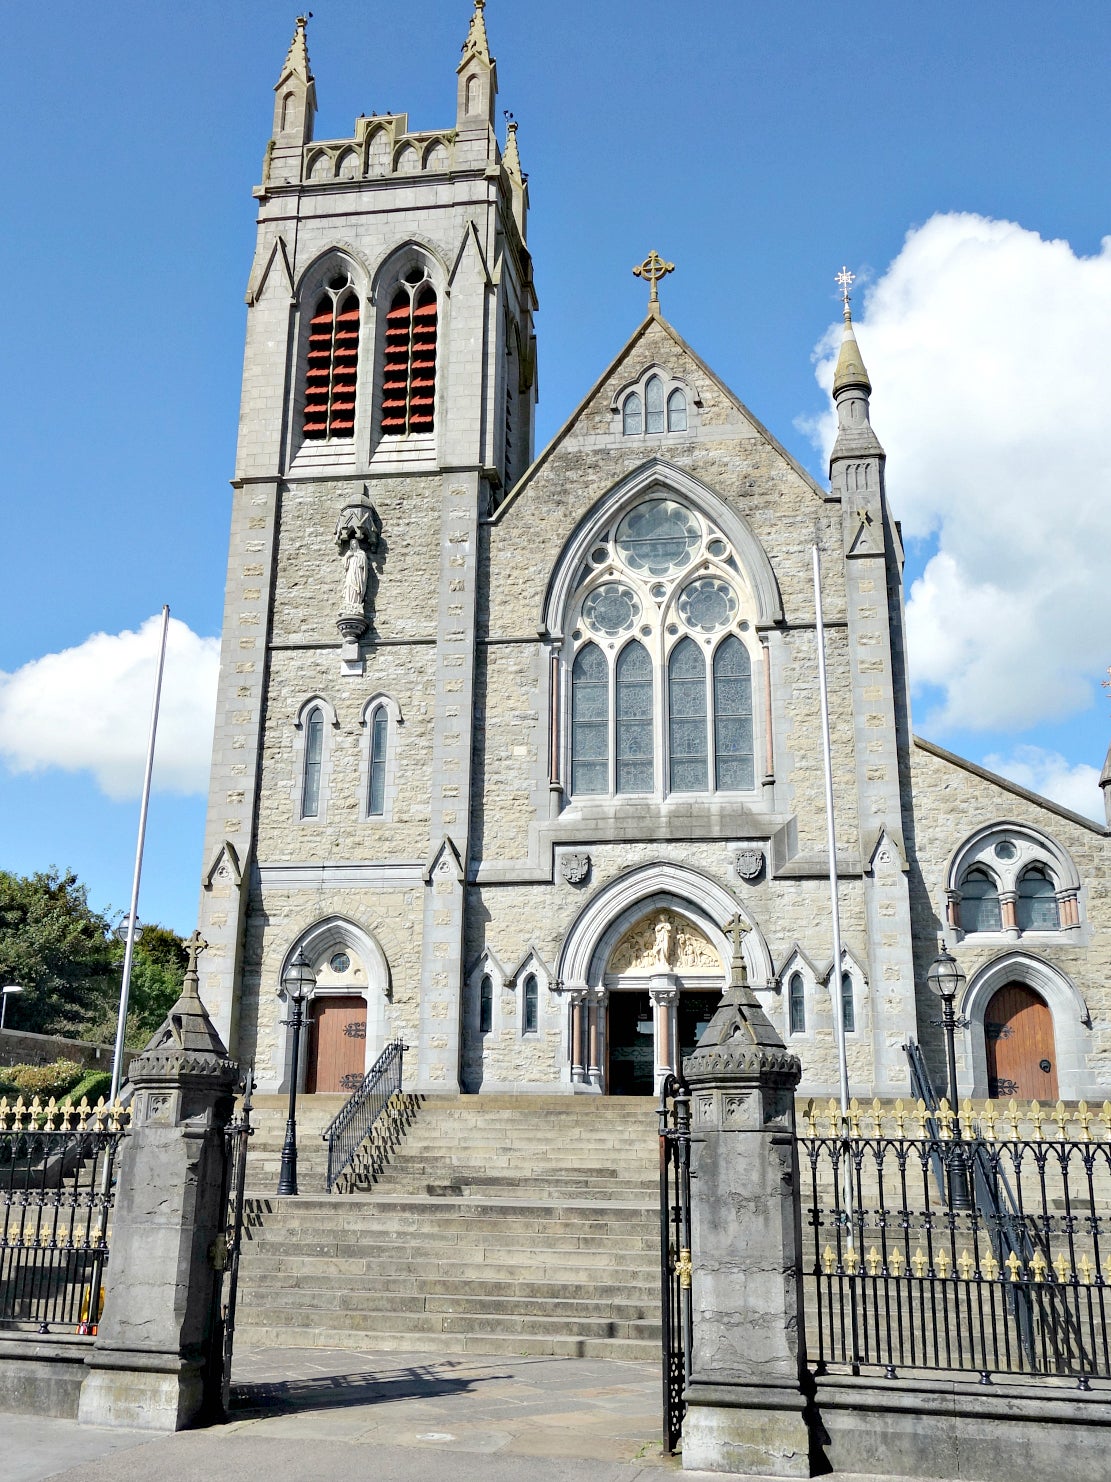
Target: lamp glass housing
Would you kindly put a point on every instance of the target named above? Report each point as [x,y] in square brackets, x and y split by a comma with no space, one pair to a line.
[945,977]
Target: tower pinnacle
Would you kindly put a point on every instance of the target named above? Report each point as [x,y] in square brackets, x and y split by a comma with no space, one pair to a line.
[294,109]
[477,44]
[297,59]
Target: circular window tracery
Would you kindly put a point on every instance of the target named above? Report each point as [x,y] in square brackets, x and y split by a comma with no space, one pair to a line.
[658,537]
[708,605]
[611,609]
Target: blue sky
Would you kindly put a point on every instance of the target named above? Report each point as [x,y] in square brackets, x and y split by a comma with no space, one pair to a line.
[756,146]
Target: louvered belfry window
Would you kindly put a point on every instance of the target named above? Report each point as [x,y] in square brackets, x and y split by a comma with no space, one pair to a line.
[333,362]
[409,367]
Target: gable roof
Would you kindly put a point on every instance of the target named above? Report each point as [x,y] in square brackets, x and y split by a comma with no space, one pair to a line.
[639,334]
[1008,786]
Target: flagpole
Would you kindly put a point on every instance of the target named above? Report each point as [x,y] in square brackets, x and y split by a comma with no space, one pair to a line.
[133,914]
[838,995]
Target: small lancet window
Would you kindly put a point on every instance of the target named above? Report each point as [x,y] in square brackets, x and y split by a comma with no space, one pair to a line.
[332,365]
[632,418]
[1036,905]
[485,1005]
[635,771]
[409,365]
[590,721]
[314,754]
[376,788]
[677,412]
[796,1004]
[686,703]
[733,748]
[980,903]
[654,405]
[530,1010]
[848,1004]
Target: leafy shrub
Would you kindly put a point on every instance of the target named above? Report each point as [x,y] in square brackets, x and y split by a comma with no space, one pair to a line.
[44,1080]
[93,1085]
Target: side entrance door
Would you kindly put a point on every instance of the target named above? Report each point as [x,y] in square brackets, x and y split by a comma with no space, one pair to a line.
[337,1043]
[1022,1056]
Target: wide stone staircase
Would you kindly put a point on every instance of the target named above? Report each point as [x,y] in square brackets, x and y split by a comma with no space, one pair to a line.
[523,1225]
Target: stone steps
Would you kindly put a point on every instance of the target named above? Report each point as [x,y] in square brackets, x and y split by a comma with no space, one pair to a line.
[502,1225]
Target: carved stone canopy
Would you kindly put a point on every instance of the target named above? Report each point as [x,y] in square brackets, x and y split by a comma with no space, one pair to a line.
[359,521]
[664,941]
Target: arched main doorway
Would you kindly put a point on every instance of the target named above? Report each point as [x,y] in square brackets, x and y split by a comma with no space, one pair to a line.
[347,1015]
[663,981]
[1021,1051]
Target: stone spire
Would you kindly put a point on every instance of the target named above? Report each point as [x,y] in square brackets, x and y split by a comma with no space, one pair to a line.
[477,44]
[850,370]
[851,391]
[512,157]
[295,103]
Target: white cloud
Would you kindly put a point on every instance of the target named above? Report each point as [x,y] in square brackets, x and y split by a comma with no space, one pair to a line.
[1048,773]
[990,354]
[88,709]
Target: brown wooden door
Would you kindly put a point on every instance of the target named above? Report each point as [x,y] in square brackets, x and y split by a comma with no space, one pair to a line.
[337,1043]
[1022,1058]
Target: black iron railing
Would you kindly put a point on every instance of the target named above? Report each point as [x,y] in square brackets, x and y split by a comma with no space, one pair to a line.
[676,1314]
[355,1123]
[978,1244]
[237,1136]
[57,1183]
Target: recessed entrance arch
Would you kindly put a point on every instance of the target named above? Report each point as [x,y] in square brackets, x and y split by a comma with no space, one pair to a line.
[1021,1051]
[347,1015]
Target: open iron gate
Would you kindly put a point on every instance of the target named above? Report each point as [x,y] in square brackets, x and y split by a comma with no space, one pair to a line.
[675,1253]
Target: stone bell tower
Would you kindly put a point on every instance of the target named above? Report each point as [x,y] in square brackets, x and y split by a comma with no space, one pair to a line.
[388,395]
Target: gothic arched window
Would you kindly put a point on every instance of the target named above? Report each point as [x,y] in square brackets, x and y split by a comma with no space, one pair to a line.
[980,902]
[657,406]
[848,1004]
[660,674]
[485,1004]
[632,416]
[332,363]
[1036,904]
[376,785]
[677,412]
[409,362]
[314,757]
[590,721]
[530,1007]
[796,1004]
[654,405]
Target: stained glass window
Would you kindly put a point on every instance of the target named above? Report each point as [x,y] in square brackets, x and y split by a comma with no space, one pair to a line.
[676,412]
[686,697]
[635,772]
[314,753]
[796,1002]
[485,1005]
[531,1006]
[654,405]
[590,721]
[658,537]
[611,610]
[376,793]
[733,749]
[848,1004]
[708,604]
[980,903]
[1036,906]
[632,418]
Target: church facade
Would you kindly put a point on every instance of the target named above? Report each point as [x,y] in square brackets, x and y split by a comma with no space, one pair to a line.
[506,744]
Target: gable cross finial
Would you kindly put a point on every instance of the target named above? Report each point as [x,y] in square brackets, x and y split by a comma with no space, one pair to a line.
[193,948]
[652,269]
[845,281]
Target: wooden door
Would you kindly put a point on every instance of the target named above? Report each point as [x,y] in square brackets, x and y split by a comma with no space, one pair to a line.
[337,1043]
[1022,1057]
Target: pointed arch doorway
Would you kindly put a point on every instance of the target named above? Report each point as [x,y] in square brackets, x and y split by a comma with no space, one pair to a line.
[1021,1049]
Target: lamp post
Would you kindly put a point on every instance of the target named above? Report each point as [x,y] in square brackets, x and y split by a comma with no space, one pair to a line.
[298,980]
[8,988]
[946,980]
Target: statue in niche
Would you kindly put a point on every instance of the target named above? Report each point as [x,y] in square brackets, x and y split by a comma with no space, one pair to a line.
[355,570]
[358,536]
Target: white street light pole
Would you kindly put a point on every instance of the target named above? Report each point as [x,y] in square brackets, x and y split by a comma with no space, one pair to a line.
[8,988]
[132,919]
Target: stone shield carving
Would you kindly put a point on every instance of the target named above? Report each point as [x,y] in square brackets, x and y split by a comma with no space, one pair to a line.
[748,864]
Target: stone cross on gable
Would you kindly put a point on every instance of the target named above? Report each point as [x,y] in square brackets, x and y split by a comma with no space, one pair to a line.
[652,269]
[738,930]
[193,948]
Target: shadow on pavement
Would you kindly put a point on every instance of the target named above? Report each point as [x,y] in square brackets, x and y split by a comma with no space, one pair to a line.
[334,1391]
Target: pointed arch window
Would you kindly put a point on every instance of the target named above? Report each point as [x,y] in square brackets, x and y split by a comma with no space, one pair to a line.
[332,363]
[980,909]
[376,785]
[733,748]
[654,405]
[409,363]
[632,415]
[590,721]
[314,758]
[848,1004]
[485,1004]
[796,1004]
[530,1007]
[635,768]
[1036,903]
[686,686]
[677,412]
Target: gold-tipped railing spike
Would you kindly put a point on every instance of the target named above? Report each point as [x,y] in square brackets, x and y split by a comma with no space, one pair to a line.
[1013,1118]
[1105,1116]
[877,1117]
[1086,1269]
[1062,1268]
[942,1264]
[1036,1114]
[1039,1266]
[1014,1266]
[920,1110]
[1061,1117]
[873,1261]
[809,1121]
[989,1267]
[833,1112]
[854,1117]
[896,1262]
[968,1119]
[966,1265]
[851,1261]
[900,1117]
[1084,1119]
[987,1121]
[829,1261]
[1107,1270]
[919,1262]
[945,1120]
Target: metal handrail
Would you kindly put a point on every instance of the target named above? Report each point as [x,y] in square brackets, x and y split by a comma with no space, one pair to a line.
[353,1123]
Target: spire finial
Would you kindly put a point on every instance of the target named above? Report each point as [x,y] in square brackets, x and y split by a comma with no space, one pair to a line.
[512,153]
[652,269]
[477,44]
[297,59]
[845,281]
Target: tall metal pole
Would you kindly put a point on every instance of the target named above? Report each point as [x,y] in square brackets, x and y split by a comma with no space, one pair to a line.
[133,917]
[838,996]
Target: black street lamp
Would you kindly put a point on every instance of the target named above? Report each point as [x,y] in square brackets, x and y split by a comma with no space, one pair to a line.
[946,980]
[298,980]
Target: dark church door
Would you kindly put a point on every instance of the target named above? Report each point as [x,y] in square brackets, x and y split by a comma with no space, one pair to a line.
[632,1045]
[337,1044]
[1022,1057]
[695,1011]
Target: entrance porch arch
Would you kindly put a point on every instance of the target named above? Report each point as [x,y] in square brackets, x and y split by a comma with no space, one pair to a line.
[350,968]
[1068,1011]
